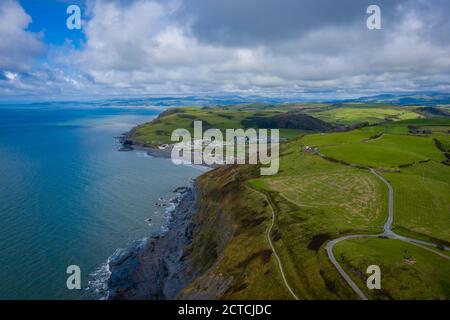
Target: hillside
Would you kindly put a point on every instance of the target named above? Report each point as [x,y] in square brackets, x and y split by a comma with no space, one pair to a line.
[293,120]
[288,120]
[316,200]
[323,191]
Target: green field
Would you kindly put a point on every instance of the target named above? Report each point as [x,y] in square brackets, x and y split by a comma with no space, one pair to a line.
[335,139]
[420,180]
[335,198]
[232,117]
[379,146]
[160,130]
[407,271]
[347,115]
[422,200]
[318,200]
[350,195]
[386,151]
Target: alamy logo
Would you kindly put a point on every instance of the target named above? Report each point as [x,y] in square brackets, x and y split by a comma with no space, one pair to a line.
[374,20]
[74,20]
[374,280]
[241,146]
[74,280]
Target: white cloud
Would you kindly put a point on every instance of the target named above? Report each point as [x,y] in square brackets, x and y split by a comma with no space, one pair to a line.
[18,47]
[144,47]
[11,76]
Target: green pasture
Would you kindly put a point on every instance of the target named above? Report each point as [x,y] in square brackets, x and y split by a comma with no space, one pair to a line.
[422,201]
[346,115]
[160,130]
[407,271]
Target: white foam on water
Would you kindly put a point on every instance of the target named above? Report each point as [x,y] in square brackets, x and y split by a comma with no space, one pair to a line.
[98,283]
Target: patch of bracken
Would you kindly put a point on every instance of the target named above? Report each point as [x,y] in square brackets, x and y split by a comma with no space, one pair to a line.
[317,241]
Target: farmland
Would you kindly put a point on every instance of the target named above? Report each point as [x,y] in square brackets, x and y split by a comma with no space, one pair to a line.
[422,205]
[160,130]
[293,120]
[408,272]
[422,199]
[321,195]
[386,151]
[347,115]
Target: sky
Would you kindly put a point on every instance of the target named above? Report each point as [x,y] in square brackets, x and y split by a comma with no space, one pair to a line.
[279,48]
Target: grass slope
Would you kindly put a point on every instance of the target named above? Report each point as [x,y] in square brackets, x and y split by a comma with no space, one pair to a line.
[315,200]
[421,182]
[347,115]
[407,271]
[387,151]
[422,202]
[294,120]
[159,131]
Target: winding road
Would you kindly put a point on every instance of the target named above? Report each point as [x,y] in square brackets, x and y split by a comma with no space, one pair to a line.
[387,233]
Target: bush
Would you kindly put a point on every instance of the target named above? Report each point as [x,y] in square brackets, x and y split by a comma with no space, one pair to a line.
[439,145]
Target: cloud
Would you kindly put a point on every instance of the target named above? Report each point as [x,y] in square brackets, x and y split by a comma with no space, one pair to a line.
[147,45]
[237,22]
[18,47]
[288,47]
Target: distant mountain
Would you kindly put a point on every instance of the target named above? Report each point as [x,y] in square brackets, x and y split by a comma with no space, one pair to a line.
[419,99]
[422,99]
[162,101]
[433,98]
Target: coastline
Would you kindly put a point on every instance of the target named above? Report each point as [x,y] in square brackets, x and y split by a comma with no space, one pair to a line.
[156,268]
[128,145]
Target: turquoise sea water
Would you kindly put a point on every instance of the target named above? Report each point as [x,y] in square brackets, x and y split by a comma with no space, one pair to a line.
[68,197]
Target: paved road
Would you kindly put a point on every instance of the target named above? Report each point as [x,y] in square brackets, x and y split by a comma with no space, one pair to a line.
[387,233]
[388,225]
[269,239]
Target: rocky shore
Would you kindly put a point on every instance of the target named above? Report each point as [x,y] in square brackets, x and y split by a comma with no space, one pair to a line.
[158,267]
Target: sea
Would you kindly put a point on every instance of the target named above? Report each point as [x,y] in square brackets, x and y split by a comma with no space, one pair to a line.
[68,197]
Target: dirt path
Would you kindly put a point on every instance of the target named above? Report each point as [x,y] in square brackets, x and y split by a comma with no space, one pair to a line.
[269,240]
